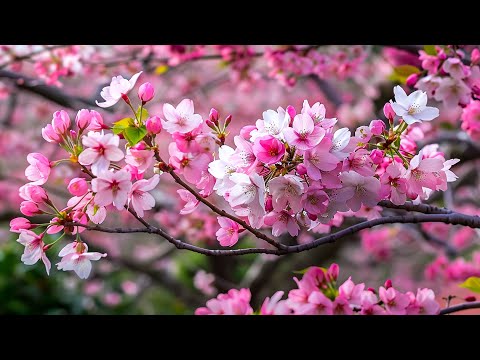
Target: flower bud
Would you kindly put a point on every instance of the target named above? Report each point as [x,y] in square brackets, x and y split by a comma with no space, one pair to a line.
[60,122]
[35,193]
[154,124]
[213,116]
[377,127]
[372,290]
[29,208]
[228,120]
[50,135]
[388,284]
[146,92]
[333,271]
[412,80]
[269,204]
[291,112]
[388,111]
[83,119]
[312,217]
[77,186]
[470,299]
[377,156]
[20,223]
[475,57]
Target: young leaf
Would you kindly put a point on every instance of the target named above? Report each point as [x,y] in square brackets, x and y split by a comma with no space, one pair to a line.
[144,115]
[121,125]
[402,72]
[430,50]
[472,283]
[134,134]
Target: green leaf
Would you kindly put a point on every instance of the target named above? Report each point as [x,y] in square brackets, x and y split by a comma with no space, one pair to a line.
[144,115]
[134,134]
[402,72]
[120,125]
[303,271]
[430,50]
[472,283]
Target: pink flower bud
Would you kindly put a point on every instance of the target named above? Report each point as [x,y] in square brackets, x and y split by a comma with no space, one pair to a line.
[269,204]
[140,146]
[29,208]
[228,120]
[146,92]
[60,122]
[34,193]
[154,125]
[73,135]
[50,135]
[475,57]
[377,156]
[470,299]
[78,186]
[377,127]
[301,169]
[246,130]
[213,116]
[372,290]
[20,223]
[97,121]
[388,111]
[412,80]
[83,119]
[333,271]
[291,111]
[388,284]
[210,124]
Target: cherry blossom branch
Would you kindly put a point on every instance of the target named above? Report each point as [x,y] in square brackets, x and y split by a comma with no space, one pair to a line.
[30,55]
[217,210]
[409,206]
[453,218]
[460,307]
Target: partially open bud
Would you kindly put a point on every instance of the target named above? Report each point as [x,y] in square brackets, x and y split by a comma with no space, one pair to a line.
[228,120]
[83,119]
[60,121]
[146,92]
[77,186]
[372,290]
[301,169]
[50,135]
[269,204]
[333,271]
[213,116]
[291,112]
[29,208]
[154,125]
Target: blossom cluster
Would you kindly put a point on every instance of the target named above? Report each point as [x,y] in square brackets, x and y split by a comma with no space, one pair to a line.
[318,293]
[292,170]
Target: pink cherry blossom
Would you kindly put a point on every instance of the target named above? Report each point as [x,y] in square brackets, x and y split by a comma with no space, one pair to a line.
[365,189]
[154,124]
[75,256]
[423,303]
[192,202]
[274,123]
[268,150]
[96,214]
[34,249]
[281,222]
[360,162]
[191,166]
[320,159]
[227,235]
[235,302]
[453,92]
[287,190]
[60,122]
[141,159]
[422,173]
[275,305]
[29,208]
[455,68]
[204,281]
[112,187]
[118,87]
[244,157]
[139,197]
[395,302]
[315,200]
[33,193]
[394,183]
[303,134]
[101,150]
[181,119]
[39,169]
[146,92]
[413,108]
[352,292]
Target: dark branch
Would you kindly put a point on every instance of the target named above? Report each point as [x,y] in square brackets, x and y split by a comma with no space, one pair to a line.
[460,307]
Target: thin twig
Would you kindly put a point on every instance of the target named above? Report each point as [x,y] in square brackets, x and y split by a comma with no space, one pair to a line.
[460,307]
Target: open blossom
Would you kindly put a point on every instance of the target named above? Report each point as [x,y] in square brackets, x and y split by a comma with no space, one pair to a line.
[413,108]
[204,281]
[118,87]
[244,157]
[101,150]
[281,222]
[273,124]
[275,305]
[247,197]
[181,119]
[395,302]
[75,256]
[341,139]
[112,187]
[227,235]
[286,190]
[39,169]
[320,159]
[423,173]
[423,303]
[222,168]
[268,150]
[34,249]
[96,214]
[235,302]
[191,201]
[394,183]
[139,197]
[453,92]
[364,190]
[191,166]
[455,68]
[315,200]
[139,158]
[303,134]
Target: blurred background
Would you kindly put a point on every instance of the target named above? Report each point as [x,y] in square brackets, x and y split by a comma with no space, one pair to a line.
[144,274]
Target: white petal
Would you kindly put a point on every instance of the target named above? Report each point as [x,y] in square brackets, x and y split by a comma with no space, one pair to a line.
[400,96]
[429,113]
